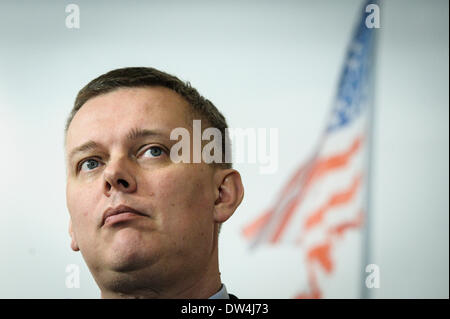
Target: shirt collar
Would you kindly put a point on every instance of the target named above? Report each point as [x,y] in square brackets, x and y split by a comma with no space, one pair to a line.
[221,294]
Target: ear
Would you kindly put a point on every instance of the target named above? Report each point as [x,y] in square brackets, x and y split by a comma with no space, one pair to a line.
[229,193]
[73,243]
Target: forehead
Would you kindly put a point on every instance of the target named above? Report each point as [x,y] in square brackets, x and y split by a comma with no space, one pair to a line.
[109,117]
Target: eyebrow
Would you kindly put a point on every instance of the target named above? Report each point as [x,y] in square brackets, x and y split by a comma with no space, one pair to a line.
[132,135]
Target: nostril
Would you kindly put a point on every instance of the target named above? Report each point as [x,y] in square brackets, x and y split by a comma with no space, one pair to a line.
[123,182]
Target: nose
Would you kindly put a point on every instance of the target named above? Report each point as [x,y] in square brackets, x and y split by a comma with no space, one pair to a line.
[119,177]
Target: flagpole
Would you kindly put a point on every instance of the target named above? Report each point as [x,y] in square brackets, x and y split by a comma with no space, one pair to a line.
[366,293]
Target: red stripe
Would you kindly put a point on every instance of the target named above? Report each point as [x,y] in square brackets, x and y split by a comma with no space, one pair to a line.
[292,207]
[321,254]
[341,228]
[319,169]
[337,161]
[252,229]
[255,227]
[335,199]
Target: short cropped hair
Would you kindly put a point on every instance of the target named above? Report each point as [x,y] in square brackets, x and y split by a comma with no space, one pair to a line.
[135,77]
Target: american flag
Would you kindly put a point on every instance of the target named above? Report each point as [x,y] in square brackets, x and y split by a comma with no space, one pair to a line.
[326,197]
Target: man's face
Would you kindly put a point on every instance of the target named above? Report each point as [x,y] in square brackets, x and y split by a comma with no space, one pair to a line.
[177,232]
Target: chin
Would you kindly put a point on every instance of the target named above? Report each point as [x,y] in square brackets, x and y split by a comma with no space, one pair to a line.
[130,250]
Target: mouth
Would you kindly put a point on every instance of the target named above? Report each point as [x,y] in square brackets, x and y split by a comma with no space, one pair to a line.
[120,213]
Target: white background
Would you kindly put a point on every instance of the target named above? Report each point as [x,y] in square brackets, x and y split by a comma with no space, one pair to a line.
[264,64]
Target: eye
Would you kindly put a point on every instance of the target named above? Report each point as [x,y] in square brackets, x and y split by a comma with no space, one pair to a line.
[89,165]
[154,151]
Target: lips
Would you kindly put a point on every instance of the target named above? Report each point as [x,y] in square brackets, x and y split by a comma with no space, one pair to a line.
[120,213]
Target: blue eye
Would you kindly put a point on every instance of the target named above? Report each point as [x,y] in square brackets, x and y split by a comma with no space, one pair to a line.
[154,151]
[89,165]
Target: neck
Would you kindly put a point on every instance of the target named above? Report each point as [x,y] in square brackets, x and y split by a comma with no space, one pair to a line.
[196,291]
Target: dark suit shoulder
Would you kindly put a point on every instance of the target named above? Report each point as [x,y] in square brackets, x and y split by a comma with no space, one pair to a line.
[232,296]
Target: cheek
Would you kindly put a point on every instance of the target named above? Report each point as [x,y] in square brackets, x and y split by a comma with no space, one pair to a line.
[185,199]
[81,211]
